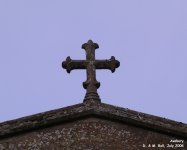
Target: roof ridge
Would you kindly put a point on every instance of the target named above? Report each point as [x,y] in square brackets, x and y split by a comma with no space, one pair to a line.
[74,112]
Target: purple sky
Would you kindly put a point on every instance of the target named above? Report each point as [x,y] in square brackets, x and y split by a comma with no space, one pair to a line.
[149,38]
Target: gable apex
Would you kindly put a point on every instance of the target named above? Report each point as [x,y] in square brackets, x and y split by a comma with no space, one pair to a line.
[92,109]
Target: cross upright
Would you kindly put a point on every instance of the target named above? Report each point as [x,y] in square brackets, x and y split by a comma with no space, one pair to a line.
[91,64]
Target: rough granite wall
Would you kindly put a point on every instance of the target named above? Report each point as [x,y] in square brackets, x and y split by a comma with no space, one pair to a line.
[91,134]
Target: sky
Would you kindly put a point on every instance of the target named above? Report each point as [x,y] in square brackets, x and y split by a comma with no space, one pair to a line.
[147,37]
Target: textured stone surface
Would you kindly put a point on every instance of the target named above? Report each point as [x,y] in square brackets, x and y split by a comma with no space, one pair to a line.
[91,64]
[88,133]
[89,125]
[91,108]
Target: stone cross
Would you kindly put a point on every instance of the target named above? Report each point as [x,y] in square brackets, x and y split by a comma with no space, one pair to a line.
[90,64]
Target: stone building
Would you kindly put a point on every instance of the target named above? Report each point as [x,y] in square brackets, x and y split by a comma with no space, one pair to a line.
[92,125]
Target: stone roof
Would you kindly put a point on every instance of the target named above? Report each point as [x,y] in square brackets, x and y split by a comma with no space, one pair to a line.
[92,108]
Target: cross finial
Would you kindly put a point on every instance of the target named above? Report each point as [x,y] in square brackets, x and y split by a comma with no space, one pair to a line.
[90,64]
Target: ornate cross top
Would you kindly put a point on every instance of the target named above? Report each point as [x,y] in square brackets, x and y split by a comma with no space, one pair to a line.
[90,64]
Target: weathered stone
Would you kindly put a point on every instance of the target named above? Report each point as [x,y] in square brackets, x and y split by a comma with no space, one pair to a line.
[93,126]
[91,64]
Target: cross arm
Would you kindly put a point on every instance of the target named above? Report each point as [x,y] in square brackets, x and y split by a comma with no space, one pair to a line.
[70,64]
[110,64]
